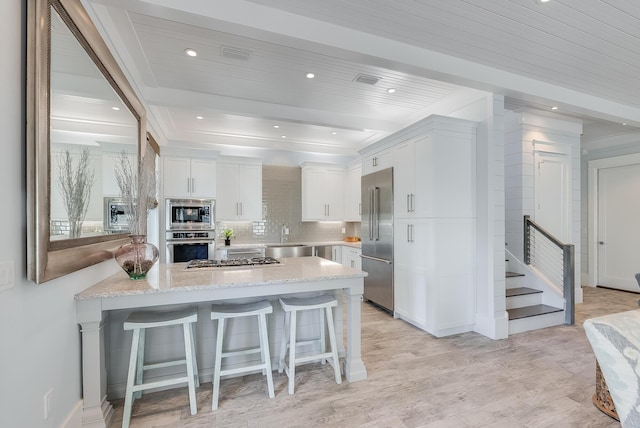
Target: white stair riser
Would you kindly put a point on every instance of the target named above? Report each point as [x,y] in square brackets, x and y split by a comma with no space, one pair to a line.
[536,322]
[515,282]
[524,300]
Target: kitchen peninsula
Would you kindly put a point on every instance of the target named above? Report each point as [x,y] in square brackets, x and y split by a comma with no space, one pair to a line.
[174,284]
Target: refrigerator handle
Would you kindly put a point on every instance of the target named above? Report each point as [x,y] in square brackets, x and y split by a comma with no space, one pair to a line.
[376,209]
[370,214]
[377,259]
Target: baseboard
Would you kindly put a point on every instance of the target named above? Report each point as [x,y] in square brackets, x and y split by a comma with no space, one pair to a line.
[496,327]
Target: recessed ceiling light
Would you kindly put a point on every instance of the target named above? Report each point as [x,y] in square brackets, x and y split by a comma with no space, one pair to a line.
[554,108]
[391,90]
[310,75]
[541,1]
[284,136]
[191,52]
[199,117]
[624,123]
[115,108]
[276,126]
[334,133]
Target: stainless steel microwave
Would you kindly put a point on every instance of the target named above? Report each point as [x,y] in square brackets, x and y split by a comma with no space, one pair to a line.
[194,214]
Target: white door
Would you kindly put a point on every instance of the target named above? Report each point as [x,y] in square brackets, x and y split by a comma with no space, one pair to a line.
[552,194]
[619,227]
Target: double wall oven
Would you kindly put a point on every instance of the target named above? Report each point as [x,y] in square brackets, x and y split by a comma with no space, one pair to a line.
[190,229]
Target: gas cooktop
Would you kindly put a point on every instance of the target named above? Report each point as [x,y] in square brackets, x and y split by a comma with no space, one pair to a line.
[254,261]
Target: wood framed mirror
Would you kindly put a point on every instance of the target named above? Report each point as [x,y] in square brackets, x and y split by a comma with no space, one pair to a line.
[81,114]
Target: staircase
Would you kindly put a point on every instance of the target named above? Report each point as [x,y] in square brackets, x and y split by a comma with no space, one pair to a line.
[526,308]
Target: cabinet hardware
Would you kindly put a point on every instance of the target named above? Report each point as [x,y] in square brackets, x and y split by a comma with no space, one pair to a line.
[193,185]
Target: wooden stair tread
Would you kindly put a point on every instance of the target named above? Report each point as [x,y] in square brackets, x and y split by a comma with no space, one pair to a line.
[513,274]
[531,311]
[521,291]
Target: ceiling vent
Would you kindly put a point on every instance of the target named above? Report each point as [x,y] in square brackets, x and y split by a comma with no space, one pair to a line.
[235,53]
[367,79]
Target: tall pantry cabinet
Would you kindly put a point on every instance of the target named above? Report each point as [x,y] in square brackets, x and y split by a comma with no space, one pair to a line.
[434,225]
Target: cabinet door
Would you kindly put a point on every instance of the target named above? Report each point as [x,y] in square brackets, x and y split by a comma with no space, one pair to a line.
[377,161]
[176,177]
[203,178]
[412,270]
[404,180]
[249,185]
[227,207]
[333,190]
[352,195]
[313,188]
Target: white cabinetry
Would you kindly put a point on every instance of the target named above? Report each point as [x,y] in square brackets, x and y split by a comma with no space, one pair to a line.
[239,191]
[322,192]
[434,173]
[434,225]
[352,194]
[189,177]
[351,257]
[377,161]
[434,274]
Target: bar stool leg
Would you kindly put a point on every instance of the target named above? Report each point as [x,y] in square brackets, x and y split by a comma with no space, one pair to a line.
[334,347]
[188,350]
[323,340]
[128,397]
[217,365]
[140,365]
[285,341]
[196,374]
[266,355]
[292,352]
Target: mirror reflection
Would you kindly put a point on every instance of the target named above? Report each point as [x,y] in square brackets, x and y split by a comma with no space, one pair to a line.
[90,127]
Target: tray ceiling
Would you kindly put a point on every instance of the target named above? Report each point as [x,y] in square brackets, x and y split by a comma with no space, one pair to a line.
[249,74]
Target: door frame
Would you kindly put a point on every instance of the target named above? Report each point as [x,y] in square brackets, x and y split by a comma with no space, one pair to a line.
[594,167]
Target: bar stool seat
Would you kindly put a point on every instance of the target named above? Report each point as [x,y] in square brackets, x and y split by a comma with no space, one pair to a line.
[139,322]
[291,305]
[227,311]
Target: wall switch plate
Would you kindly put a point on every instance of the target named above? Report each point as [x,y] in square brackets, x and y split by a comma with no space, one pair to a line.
[344,230]
[7,275]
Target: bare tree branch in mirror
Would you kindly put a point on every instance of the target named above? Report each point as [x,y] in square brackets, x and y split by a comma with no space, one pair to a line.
[74,184]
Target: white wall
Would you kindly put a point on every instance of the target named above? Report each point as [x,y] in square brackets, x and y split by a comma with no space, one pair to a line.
[40,342]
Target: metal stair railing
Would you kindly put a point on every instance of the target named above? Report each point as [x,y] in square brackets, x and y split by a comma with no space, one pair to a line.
[554,259]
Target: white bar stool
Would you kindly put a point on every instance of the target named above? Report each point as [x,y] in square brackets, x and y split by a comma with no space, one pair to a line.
[139,322]
[223,312]
[291,306]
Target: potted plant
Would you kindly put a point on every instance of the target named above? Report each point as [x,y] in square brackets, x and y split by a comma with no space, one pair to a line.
[228,233]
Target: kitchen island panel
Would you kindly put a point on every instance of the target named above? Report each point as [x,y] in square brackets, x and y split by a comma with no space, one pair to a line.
[168,285]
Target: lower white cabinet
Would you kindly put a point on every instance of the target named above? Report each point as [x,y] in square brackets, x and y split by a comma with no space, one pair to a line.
[434,273]
[351,257]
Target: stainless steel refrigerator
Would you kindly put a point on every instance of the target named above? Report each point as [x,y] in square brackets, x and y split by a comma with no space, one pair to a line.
[377,237]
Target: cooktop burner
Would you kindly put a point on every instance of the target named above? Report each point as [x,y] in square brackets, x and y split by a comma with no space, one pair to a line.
[255,261]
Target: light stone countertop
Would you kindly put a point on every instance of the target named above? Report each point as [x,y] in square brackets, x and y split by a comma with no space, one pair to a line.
[238,246]
[167,278]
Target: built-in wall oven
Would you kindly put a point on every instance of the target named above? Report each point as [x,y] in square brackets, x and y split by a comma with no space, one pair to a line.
[190,233]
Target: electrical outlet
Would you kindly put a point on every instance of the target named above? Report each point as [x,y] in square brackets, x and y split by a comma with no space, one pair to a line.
[344,230]
[7,275]
[48,403]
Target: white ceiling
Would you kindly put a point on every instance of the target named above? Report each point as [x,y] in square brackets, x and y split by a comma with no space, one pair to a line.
[582,55]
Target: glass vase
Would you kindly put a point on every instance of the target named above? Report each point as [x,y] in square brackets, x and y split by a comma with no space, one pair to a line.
[137,257]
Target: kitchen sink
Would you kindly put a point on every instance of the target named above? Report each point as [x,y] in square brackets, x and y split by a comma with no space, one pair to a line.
[288,250]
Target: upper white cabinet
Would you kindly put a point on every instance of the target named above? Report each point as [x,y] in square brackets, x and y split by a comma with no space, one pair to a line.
[434,171]
[189,177]
[239,191]
[377,161]
[352,194]
[322,192]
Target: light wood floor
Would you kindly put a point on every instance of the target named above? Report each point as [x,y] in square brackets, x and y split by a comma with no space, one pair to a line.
[543,378]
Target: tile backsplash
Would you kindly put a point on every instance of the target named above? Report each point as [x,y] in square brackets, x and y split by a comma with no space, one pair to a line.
[282,207]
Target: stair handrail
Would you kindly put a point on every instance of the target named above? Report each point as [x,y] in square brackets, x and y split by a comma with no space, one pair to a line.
[568,265]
